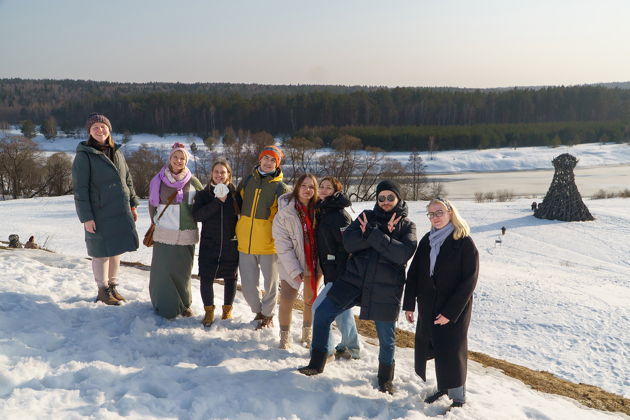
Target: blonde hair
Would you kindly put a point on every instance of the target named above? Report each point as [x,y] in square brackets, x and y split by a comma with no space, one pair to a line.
[109,140]
[461,227]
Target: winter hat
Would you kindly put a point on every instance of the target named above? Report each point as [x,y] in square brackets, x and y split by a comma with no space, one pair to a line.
[94,118]
[388,185]
[178,146]
[272,151]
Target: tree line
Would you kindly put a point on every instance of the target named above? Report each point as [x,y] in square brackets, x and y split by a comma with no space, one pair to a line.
[382,117]
[25,172]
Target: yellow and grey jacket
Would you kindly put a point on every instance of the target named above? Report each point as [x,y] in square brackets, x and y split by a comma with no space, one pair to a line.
[259,207]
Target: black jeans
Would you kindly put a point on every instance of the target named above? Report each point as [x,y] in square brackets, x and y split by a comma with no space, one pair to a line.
[207,291]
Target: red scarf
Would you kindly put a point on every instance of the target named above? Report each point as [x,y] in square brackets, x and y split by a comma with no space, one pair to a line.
[310,246]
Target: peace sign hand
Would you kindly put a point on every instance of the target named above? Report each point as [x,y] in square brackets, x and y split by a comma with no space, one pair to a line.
[391,225]
[363,222]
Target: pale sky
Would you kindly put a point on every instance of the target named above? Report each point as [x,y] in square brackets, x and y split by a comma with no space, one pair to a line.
[458,43]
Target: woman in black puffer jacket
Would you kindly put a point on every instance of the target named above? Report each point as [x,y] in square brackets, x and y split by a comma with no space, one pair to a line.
[217,208]
[332,220]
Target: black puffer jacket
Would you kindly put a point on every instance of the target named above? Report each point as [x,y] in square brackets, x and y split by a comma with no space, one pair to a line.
[332,220]
[218,253]
[375,272]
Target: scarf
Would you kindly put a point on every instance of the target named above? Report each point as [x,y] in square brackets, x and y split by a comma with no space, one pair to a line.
[176,181]
[104,148]
[436,239]
[310,247]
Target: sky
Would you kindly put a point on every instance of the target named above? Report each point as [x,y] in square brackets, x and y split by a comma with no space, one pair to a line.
[457,43]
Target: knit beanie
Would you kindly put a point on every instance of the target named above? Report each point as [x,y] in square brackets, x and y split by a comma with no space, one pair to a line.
[272,151]
[94,118]
[178,146]
[388,185]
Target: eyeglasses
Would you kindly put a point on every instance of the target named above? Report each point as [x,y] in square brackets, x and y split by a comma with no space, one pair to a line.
[307,187]
[433,214]
[391,198]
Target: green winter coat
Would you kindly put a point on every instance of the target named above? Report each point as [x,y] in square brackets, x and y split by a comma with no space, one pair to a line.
[103,192]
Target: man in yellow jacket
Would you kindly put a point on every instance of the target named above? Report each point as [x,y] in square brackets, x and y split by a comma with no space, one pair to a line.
[259,193]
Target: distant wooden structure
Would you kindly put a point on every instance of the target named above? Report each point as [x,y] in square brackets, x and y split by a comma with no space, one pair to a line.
[563,200]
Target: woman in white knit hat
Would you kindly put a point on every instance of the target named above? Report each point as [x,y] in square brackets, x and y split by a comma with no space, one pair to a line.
[171,194]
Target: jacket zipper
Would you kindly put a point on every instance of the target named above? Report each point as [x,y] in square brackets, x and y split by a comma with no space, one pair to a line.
[252,215]
[220,247]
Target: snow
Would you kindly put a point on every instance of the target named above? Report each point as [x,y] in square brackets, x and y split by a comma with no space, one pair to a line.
[552,296]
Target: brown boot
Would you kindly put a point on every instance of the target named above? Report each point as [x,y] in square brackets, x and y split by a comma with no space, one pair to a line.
[259,316]
[105,296]
[209,318]
[187,313]
[266,322]
[227,312]
[115,294]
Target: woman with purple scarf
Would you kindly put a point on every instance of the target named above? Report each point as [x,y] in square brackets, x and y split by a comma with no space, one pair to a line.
[171,194]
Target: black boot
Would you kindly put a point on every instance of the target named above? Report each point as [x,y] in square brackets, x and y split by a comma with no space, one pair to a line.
[434,397]
[316,365]
[386,377]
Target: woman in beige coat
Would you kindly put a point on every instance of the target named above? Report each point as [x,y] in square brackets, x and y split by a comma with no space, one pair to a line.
[295,241]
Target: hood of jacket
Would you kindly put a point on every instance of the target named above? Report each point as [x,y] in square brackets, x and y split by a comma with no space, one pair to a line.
[334,202]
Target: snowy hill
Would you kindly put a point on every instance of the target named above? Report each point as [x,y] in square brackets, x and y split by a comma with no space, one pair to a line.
[553,296]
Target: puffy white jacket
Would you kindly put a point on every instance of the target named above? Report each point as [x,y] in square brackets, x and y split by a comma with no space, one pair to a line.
[289,241]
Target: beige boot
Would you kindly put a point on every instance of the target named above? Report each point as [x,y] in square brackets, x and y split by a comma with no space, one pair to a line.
[105,296]
[285,339]
[115,294]
[209,318]
[227,312]
[307,336]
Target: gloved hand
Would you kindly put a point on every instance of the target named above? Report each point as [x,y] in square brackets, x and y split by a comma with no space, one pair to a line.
[221,190]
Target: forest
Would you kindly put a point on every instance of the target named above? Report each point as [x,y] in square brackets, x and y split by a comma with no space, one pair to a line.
[388,118]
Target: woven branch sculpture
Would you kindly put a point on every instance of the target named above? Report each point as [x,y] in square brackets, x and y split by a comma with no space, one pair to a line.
[563,200]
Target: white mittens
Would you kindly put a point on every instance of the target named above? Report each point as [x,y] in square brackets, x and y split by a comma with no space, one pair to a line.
[221,190]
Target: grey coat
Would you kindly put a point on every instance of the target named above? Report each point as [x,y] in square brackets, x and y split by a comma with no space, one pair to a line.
[103,192]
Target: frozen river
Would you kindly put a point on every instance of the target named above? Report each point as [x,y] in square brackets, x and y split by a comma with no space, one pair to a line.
[533,183]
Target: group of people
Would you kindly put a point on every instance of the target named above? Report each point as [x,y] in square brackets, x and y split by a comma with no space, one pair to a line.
[298,239]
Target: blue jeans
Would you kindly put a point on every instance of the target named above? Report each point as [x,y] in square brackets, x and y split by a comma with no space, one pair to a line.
[346,325]
[326,313]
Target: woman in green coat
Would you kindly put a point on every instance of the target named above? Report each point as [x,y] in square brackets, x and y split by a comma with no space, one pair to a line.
[175,235]
[106,205]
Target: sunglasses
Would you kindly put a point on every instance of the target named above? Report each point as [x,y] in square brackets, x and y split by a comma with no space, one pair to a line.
[391,198]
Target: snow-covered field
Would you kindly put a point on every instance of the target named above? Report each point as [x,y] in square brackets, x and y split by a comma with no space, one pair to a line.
[553,296]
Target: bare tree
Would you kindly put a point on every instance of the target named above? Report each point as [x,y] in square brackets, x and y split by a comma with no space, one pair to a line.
[49,128]
[342,162]
[417,180]
[143,164]
[58,174]
[368,170]
[19,164]
[300,156]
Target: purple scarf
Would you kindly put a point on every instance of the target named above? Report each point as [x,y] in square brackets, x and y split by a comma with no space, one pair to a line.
[154,186]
